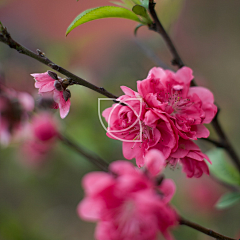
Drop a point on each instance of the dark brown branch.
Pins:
(6, 38)
(157, 27)
(214, 142)
(224, 140)
(204, 230)
(90, 156)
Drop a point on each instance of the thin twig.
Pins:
(214, 142)
(99, 162)
(204, 230)
(157, 27)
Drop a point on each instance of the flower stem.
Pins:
(204, 230)
(90, 156)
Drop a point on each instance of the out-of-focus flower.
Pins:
(164, 109)
(127, 203)
(14, 110)
(50, 83)
(41, 134)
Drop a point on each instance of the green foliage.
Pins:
(124, 3)
(141, 11)
(102, 12)
(228, 200)
(221, 167)
(130, 3)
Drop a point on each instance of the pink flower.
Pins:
(188, 107)
(139, 127)
(127, 204)
(49, 82)
(191, 157)
(165, 109)
(14, 109)
(41, 134)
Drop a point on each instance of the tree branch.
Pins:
(157, 27)
(91, 157)
(6, 38)
(204, 230)
(224, 143)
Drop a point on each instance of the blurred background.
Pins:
(40, 203)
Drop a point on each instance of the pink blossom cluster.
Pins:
(50, 84)
(165, 114)
(14, 113)
(128, 203)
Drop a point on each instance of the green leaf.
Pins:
(228, 200)
(102, 12)
(137, 27)
(221, 167)
(137, 2)
(125, 3)
(141, 11)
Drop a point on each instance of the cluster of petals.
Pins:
(165, 110)
(47, 86)
(127, 203)
(41, 133)
(14, 113)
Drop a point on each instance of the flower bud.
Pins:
(53, 75)
(58, 85)
(66, 94)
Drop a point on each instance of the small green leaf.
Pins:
(137, 2)
(137, 27)
(228, 200)
(221, 168)
(141, 11)
(102, 12)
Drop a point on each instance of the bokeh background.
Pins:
(40, 203)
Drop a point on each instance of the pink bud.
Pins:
(155, 162)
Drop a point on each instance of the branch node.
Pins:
(40, 53)
(54, 66)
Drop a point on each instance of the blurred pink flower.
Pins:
(14, 109)
(40, 138)
(191, 157)
(49, 82)
(127, 204)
